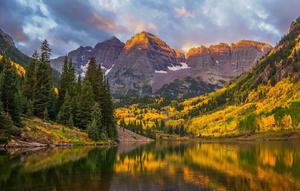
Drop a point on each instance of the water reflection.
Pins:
(156, 166)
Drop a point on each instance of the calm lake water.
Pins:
(155, 166)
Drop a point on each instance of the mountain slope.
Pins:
(222, 62)
(105, 52)
(265, 99)
(143, 56)
(7, 47)
(148, 66)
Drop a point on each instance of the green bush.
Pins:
(247, 124)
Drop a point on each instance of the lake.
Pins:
(155, 166)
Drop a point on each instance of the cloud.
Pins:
(71, 23)
(181, 11)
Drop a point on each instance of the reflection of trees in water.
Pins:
(265, 166)
(75, 169)
(166, 165)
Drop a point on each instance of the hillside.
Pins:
(8, 47)
(37, 133)
(265, 99)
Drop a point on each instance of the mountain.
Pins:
(223, 62)
(264, 99)
(143, 56)
(105, 52)
(211, 67)
(7, 47)
(147, 66)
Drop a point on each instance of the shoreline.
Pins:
(288, 135)
(24, 144)
(250, 138)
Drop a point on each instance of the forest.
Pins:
(79, 102)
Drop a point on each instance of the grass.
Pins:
(50, 133)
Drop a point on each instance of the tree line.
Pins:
(159, 127)
(81, 102)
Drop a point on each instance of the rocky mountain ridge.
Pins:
(106, 53)
(146, 65)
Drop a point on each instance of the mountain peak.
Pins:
(113, 39)
(144, 40)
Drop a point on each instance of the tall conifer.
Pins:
(43, 85)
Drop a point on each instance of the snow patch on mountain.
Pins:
(84, 68)
(108, 70)
(161, 72)
(183, 65)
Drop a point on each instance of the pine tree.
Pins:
(84, 106)
(45, 52)
(65, 110)
(108, 112)
(29, 108)
(9, 88)
(95, 128)
(5, 123)
(67, 81)
(71, 121)
(43, 86)
(102, 96)
(30, 77)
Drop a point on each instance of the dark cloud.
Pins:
(10, 20)
(70, 23)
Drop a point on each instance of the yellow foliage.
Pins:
(267, 122)
(20, 69)
(287, 122)
(223, 121)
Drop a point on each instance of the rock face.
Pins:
(217, 64)
(146, 65)
(143, 56)
(105, 52)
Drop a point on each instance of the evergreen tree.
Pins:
(102, 96)
(95, 128)
(29, 108)
(45, 52)
(9, 88)
(71, 121)
(67, 81)
(79, 84)
(43, 86)
(66, 110)
(84, 106)
(94, 77)
(30, 77)
(6, 123)
(108, 112)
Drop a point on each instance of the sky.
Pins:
(68, 24)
